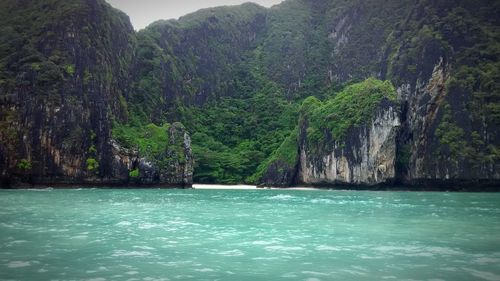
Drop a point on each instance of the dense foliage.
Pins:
(352, 107)
(149, 140)
(465, 35)
(63, 76)
(236, 76)
(286, 155)
(239, 78)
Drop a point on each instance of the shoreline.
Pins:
(200, 186)
(249, 187)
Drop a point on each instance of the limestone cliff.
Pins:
(172, 166)
(85, 99)
(442, 57)
(449, 134)
(65, 71)
(347, 140)
(365, 156)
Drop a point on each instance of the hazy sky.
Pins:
(144, 12)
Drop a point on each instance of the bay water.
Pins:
(174, 234)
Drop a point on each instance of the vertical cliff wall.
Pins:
(365, 156)
(349, 139)
(442, 57)
(83, 98)
(65, 74)
(444, 60)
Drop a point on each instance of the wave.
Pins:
(283, 197)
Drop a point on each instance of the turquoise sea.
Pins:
(168, 234)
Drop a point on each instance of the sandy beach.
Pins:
(245, 187)
(220, 186)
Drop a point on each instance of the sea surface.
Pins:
(167, 234)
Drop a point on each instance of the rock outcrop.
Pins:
(78, 87)
(350, 139)
(65, 75)
(366, 156)
(172, 167)
(443, 72)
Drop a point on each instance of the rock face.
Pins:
(449, 134)
(366, 156)
(448, 111)
(65, 75)
(173, 167)
(350, 139)
(72, 72)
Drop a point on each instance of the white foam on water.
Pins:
(15, 242)
(154, 279)
(231, 253)
(57, 230)
(263, 242)
(367, 257)
(18, 264)
(327, 201)
(178, 263)
(182, 222)
(444, 251)
(99, 269)
(206, 269)
(123, 253)
(487, 260)
(283, 248)
(417, 251)
(360, 268)
(148, 225)
(265, 258)
(329, 248)
(96, 279)
(143, 247)
(8, 225)
(354, 272)
(183, 277)
(314, 273)
(40, 189)
(283, 197)
(124, 223)
(485, 275)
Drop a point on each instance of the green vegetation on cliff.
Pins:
(233, 136)
(73, 75)
(285, 157)
(149, 140)
(324, 123)
(351, 107)
(63, 74)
